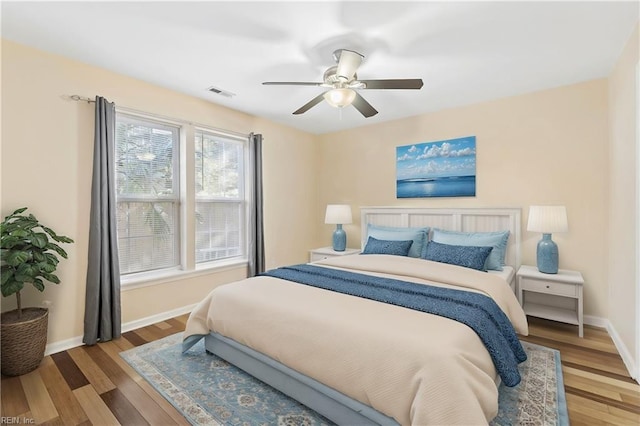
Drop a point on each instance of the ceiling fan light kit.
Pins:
(342, 82)
(340, 98)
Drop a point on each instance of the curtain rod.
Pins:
(79, 98)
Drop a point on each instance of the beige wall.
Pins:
(623, 203)
(47, 146)
(548, 147)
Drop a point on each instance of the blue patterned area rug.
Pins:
(209, 391)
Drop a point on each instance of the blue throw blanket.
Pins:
(477, 311)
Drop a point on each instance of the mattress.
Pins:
(508, 273)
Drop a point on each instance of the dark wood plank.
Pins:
(69, 370)
(120, 406)
(134, 338)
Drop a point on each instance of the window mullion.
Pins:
(188, 194)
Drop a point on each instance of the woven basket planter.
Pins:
(23, 341)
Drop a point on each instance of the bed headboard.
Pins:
(454, 219)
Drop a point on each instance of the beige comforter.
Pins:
(419, 368)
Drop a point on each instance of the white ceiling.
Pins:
(465, 52)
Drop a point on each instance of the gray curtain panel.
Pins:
(102, 312)
(256, 231)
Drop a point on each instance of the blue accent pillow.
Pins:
(397, 248)
(497, 240)
(467, 256)
(419, 236)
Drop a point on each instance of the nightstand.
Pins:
(557, 297)
(326, 252)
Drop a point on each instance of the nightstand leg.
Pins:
(580, 321)
(520, 294)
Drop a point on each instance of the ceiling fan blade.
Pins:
(313, 102)
(291, 83)
(407, 83)
(348, 64)
(363, 106)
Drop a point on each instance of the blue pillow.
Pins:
(497, 240)
(397, 248)
(467, 256)
(419, 236)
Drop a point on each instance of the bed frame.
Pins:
(328, 402)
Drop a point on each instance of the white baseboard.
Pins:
(596, 321)
(624, 352)
(63, 345)
(74, 342)
(143, 322)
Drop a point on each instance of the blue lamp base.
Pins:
(547, 255)
(339, 239)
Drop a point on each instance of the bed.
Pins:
(356, 360)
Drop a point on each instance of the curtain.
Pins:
(256, 229)
(102, 312)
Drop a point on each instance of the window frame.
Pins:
(184, 172)
(242, 199)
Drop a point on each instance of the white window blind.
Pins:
(220, 197)
(147, 192)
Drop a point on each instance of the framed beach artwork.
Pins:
(437, 169)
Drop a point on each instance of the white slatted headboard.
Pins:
(454, 219)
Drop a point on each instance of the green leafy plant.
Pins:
(29, 254)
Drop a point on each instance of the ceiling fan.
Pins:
(342, 82)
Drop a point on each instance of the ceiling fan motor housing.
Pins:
(331, 78)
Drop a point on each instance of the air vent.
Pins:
(221, 92)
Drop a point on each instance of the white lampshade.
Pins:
(547, 219)
(338, 214)
(340, 98)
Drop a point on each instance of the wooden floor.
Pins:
(94, 386)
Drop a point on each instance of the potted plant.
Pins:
(29, 254)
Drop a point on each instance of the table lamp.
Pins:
(547, 220)
(338, 214)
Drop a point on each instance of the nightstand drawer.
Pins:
(549, 287)
(315, 257)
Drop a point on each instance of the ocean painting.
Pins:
(437, 169)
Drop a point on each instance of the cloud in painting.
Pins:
(455, 157)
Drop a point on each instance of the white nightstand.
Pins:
(326, 252)
(557, 297)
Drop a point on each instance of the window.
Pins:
(157, 228)
(220, 198)
(147, 195)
